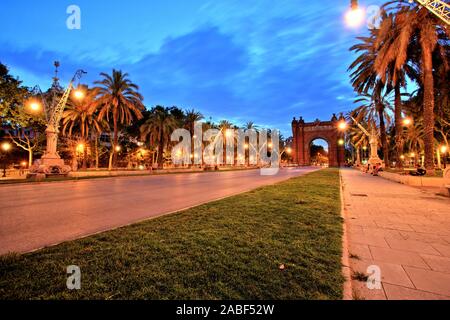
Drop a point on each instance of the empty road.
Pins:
(33, 216)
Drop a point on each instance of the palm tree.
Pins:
(394, 76)
(375, 109)
(190, 118)
(415, 136)
(251, 126)
(159, 128)
(80, 116)
(357, 138)
(365, 75)
(120, 101)
(415, 29)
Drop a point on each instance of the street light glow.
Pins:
(342, 126)
(80, 147)
(118, 148)
(6, 146)
(289, 150)
(341, 142)
(407, 122)
(35, 106)
(355, 17)
(78, 94)
(444, 149)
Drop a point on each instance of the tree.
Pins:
(12, 95)
(374, 109)
(158, 129)
(191, 117)
(250, 125)
(24, 126)
(416, 30)
(119, 101)
(81, 117)
(394, 76)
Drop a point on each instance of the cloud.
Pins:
(231, 59)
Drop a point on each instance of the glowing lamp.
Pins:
(342, 125)
(6, 146)
(355, 17)
(78, 94)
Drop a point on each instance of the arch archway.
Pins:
(305, 133)
(318, 152)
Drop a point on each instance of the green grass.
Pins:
(437, 173)
(228, 249)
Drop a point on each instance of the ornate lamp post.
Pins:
(51, 162)
(6, 147)
(373, 141)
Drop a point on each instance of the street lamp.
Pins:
(342, 126)
(6, 146)
(51, 161)
(34, 106)
(78, 94)
(355, 15)
(407, 122)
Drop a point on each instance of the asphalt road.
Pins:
(33, 216)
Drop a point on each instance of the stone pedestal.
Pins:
(50, 163)
(374, 159)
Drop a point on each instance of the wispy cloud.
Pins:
(262, 61)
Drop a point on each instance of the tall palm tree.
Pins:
(357, 138)
(415, 29)
(365, 75)
(159, 128)
(119, 101)
(375, 109)
(251, 126)
(190, 118)
(80, 116)
(415, 138)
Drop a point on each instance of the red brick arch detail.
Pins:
(305, 133)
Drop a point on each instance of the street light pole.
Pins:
(51, 162)
(5, 148)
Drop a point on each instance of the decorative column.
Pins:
(295, 140)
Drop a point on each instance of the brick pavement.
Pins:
(402, 230)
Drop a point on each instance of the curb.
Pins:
(346, 271)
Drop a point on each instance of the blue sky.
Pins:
(241, 60)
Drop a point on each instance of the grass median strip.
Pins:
(276, 242)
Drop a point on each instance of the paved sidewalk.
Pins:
(402, 230)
